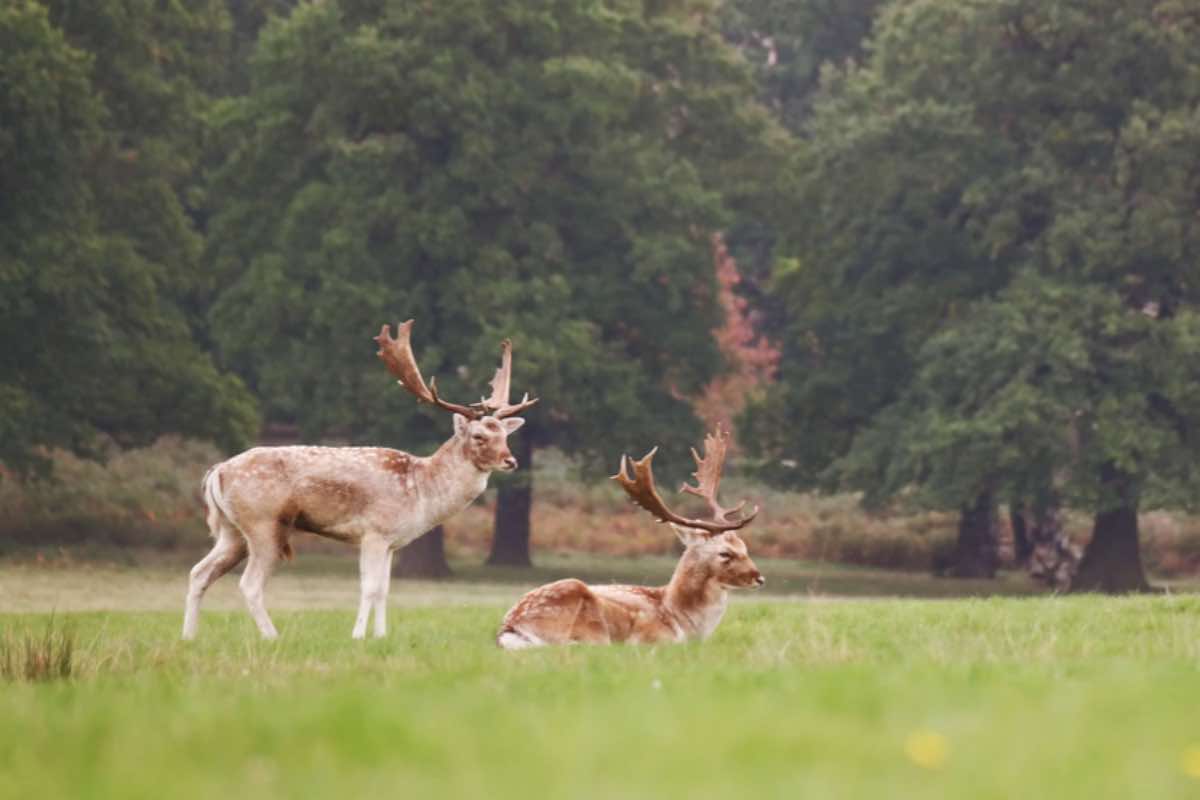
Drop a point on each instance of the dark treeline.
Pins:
(971, 229)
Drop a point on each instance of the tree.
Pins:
(1053, 558)
(424, 557)
(549, 172)
(878, 258)
(1040, 542)
(95, 250)
(1031, 264)
(1062, 380)
(752, 359)
(789, 42)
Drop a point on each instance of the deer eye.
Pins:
(726, 555)
(478, 438)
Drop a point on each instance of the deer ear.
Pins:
(688, 536)
(512, 424)
(460, 425)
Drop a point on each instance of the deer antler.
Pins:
(397, 354)
(640, 488)
(498, 403)
(708, 475)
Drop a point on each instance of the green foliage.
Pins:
(1044, 384)
(789, 42)
(995, 284)
(548, 171)
(100, 122)
(133, 499)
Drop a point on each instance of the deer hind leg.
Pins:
(580, 622)
(589, 625)
(563, 612)
(375, 571)
(513, 639)
(227, 553)
(264, 554)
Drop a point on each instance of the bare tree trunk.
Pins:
(424, 557)
(977, 552)
(1112, 561)
(1055, 558)
(1022, 546)
(514, 504)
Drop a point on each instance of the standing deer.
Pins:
(373, 497)
(689, 607)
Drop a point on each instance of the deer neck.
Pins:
(694, 598)
(451, 481)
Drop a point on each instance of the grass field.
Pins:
(801, 695)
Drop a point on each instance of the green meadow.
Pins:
(796, 695)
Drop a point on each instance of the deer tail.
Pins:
(214, 501)
(219, 514)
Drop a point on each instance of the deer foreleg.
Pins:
(383, 581)
(375, 568)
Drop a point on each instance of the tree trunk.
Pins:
(424, 557)
(1112, 561)
(1022, 547)
(514, 502)
(1055, 558)
(977, 551)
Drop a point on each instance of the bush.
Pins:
(1170, 543)
(147, 497)
(150, 498)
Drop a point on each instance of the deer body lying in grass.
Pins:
(372, 497)
(690, 606)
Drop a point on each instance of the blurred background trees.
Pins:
(550, 172)
(101, 108)
(951, 245)
(993, 300)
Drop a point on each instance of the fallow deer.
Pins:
(689, 607)
(372, 497)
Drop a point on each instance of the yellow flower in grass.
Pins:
(1189, 762)
(927, 749)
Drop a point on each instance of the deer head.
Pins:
(710, 545)
(482, 427)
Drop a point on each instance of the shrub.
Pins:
(133, 498)
(149, 498)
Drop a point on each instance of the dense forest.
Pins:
(945, 253)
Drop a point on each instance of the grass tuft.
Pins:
(37, 656)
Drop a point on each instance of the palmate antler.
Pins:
(498, 403)
(708, 475)
(641, 489)
(397, 354)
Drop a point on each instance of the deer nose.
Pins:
(510, 463)
(759, 580)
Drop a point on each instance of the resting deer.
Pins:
(689, 607)
(372, 497)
